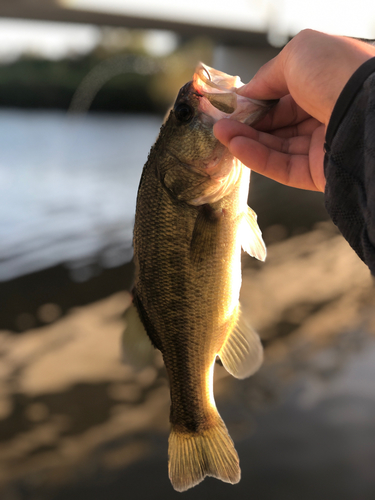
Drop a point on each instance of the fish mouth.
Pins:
(217, 87)
(219, 98)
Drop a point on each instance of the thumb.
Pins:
(269, 82)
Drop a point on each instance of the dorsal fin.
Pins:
(137, 349)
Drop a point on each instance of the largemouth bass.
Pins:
(191, 220)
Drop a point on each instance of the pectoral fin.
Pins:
(137, 349)
(242, 352)
(206, 234)
(252, 241)
(182, 183)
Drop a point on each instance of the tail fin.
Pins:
(192, 457)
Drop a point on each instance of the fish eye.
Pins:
(184, 112)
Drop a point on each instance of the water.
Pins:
(68, 187)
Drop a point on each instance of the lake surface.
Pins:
(68, 186)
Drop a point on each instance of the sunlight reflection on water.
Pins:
(68, 187)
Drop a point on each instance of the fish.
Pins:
(191, 221)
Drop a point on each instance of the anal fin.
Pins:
(137, 349)
(252, 241)
(242, 352)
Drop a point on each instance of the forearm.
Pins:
(350, 163)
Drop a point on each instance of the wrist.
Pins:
(347, 96)
(354, 54)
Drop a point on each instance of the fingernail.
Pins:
(240, 90)
(244, 89)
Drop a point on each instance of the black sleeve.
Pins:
(349, 163)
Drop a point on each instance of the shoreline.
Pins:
(22, 298)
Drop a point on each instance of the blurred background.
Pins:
(84, 86)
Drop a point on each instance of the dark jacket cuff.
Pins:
(347, 96)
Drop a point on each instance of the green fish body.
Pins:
(191, 221)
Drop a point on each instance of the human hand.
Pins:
(308, 76)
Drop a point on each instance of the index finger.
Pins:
(284, 114)
(290, 169)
